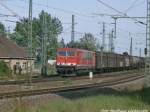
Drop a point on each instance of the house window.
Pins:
(17, 64)
(24, 65)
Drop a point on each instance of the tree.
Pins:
(19, 39)
(54, 28)
(61, 44)
(87, 42)
(76, 44)
(2, 29)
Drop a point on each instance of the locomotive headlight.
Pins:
(58, 63)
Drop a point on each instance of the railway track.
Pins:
(34, 80)
(70, 88)
(59, 78)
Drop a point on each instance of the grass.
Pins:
(91, 102)
(11, 76)
(51, 70)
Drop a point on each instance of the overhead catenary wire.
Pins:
(140, 3)
(83, 33)
(110, 7)
(119, 12)
(132, 5)
(66, 11)
(137, 5)
(61, 10)
(6, 15)
(14, 14)
(10, 10)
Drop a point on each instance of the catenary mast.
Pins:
(147, 67)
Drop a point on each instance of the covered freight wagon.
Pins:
(111, 61)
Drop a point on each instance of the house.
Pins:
(14, 55)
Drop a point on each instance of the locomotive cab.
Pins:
(66, 60)
(73, 60)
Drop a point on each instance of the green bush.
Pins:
(4, 69)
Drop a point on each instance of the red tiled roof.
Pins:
(9, 49)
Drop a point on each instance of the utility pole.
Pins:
(131, 50)
(109, 43)
(131, 47)
(147, 66)
(72, 31)
(103, 44)
(44, 47)
(103, 39)
(140, 52)
(30, 56)
(115, 23)
(112, 42)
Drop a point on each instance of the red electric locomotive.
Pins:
(73, 60)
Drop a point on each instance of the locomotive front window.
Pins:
(66, 53)
(70, 53)
(61, 53)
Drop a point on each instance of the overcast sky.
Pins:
(86, 20)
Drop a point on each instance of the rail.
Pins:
(70, 88)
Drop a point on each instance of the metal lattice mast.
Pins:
(72, 32)
(103, 39)
(131, 47)
(103, 44)
(147, 67)
(140, 52)
(110, 41)
(112, 48)
(44, 46)
(30, 55)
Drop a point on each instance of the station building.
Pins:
(14, 55)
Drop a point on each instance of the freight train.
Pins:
(74, 60)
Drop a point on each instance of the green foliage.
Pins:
(4, 69)
(54, 28)
(95, 102)
(2, 29)
(19, 39)
(51, 70)
(87, 42)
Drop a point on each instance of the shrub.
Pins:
(4, 69)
